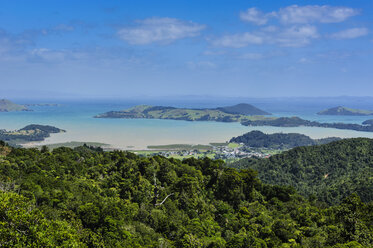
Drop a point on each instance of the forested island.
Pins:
(85, 197)
(330, 172)
(28, 134)
(9, 106)
(259, 139)
(296, 122)
(345, 111)
(236, 113)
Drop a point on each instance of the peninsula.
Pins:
(345, 111)
(297, 122)
(28, 134)
(8, 106)
(259, 139)
(236, 113)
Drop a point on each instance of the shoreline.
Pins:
(211, 131)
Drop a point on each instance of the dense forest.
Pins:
(259, 139)
(330, 172)
(85, 197)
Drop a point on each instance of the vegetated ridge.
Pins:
(85, 197)
(330, 172)
(345, 111)
(259, 139)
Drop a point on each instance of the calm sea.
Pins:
(76, 117)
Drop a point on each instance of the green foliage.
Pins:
(329, 172)
(85, 197)
(278, 140)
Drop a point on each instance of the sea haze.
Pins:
(76, 117)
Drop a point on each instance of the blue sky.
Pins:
(196, 47)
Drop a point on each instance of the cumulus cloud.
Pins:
(296, 14)
(351, 33)
(159, 30)
(255, 16)
(315, 13)
(239, 40)
(294, 36)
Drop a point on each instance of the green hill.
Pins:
(86, 198)
(345, 111)
(29, 133)
(8, 106)
(243, 109)
(278, 140)
(330, 172)
(237, 113)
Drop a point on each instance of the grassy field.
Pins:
(234, 145)
(178, 147)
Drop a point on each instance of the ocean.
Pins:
(76, 117)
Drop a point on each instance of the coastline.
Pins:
(189, 133)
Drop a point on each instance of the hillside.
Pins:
(236, 113)
(330, 172)
(8, 106)
(89, 198)
(345, 111)
(278, 140)
(243, 109)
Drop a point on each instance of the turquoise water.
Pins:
(77, 119)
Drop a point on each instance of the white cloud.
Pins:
(238, 40)
(297, 36)
(351, 33)
(294, 36)
(315, 13)
(296, 14)
(159, 30)
(255, 16)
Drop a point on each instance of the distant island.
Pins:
(42, 105)
(236, 113)
(368, 122)
(246, 114)
(28, 134)
(258, 139)
(345, 111)
(8, 106)
(296, 122)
